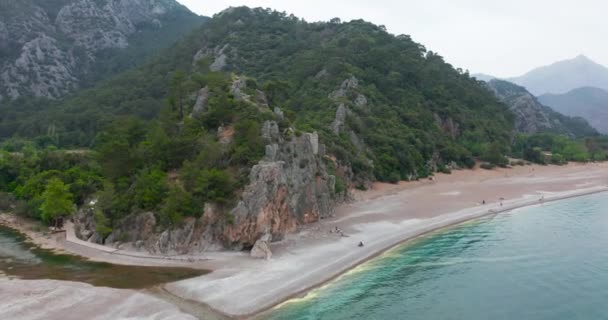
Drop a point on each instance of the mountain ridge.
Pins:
(589, 103)
(49, 49)
(563, 76)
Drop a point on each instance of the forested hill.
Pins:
(253, 124)
(50, 48)
(533, 117)
(379, 101)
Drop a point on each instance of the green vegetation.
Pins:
(145, 152)
(56, 201)
(171, 165)
(555, 149)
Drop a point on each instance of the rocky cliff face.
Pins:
(533, 117)
(292, 185)
(48, 47)
(529, 114)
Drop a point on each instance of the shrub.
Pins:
(488, 166)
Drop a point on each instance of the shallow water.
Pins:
(543, 262)
(19, 259)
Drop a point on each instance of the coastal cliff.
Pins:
(257, 124)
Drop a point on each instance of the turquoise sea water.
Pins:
(543, 262)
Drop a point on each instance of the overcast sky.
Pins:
(502, 38)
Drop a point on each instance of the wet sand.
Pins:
(381, 218)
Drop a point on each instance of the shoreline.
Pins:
(383, 218)
(406, 241)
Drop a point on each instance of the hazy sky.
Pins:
(502, 38)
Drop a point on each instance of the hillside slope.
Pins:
(51, 48)
(533, 117)
(251, 126)
(588, 103)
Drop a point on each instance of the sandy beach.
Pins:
(381, 218)
(47, 299)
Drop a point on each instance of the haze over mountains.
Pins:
(563, 76)
(588, 102)
(576, 87)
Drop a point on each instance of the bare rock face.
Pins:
(289, 187)
(85, 226)
(219, 56)
(449, 126)
(50, 69)
(190, 236)
(348, 85)
(134, 227)
(346, 95)
(45, 52)
(530, 116)
(340, 119)
(201, 104)
(238, 89)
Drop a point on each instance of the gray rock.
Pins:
(201, 104)
(360, 101)
(219, 63)
(272, 150)
(313, 140)
(237, 89)
(530, 116)
(340, 119)
(321, 74)
(45, 63)
(270, 131)
(261, 249)
(221, 59)
(289, 187)
(261, 99)
(347, 85)
(279, 113)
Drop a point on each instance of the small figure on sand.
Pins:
(360, 244)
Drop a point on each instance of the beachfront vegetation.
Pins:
(134, 146)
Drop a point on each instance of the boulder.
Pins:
(261, 248)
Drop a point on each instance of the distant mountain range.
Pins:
(532, 117)
(559, 77)
(577, 88)
(588, 102)
(564, 76)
